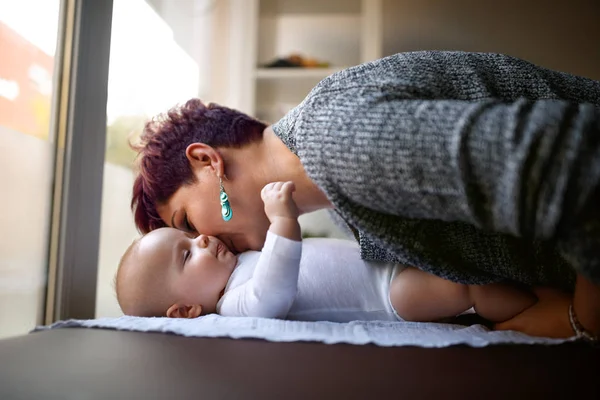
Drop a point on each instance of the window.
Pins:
(27, 80)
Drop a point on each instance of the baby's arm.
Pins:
(281, 210)
(272, 289)
(419, 296)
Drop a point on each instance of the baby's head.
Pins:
(169, 273)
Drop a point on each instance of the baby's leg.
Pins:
(420, 296)
(500, 302)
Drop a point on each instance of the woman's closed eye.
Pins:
(186, 256)
(186, 224)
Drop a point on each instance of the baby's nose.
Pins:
(202, 240)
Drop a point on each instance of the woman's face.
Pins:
(196, 208)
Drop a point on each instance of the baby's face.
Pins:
(194, 269)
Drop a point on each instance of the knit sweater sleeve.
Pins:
(523, 167)
(496, 143)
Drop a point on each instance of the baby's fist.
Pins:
(278, 200)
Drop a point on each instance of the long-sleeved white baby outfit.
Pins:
(313, 280)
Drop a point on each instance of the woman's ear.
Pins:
(181, 311)
(202, 156)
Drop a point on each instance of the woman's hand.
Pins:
(549, 317)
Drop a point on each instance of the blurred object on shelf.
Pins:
(297, 61)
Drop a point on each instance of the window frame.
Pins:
(80, 130)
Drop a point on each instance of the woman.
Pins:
(474, 167)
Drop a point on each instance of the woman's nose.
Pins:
(202, 241)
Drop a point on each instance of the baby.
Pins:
(171, 273)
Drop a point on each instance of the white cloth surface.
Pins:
(380, 333)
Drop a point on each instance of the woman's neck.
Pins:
(270, 161)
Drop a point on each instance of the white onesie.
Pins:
(313, 280)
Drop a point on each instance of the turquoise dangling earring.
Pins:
(225, 206)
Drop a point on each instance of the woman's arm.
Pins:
(485, 139)
(526, 168)
(550, 315)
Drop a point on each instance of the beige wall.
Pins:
(559, 35)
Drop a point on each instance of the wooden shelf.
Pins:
(344, 33)
(295, 73)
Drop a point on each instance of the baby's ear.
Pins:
(181, 311)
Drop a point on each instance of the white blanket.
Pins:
(358, 332)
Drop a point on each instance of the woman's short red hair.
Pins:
(162, 162)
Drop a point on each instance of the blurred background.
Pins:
(259, 56)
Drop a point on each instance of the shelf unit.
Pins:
(342, 33)
(294, 73)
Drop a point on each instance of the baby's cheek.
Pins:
(187, 288)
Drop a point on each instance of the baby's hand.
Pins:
(278, 200)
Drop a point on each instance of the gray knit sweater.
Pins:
(475, 167)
